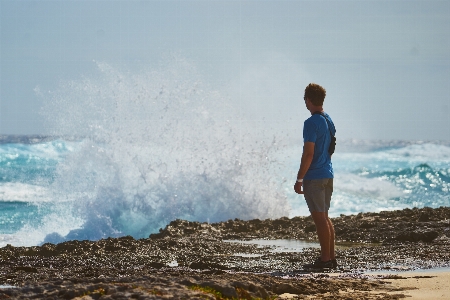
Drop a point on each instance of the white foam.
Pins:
(348, 204)
(16, 191)
(51, 150)
(60, 222)
(359, 186)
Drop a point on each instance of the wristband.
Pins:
(299, 180)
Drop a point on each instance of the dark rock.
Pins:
(156, 265)
(367, 225)
(310, 228)
(27, 269)
(412, 236)
(200, 265)
(224, 288)
(286, 288)
(424, 217)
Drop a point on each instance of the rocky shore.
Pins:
(192, 260)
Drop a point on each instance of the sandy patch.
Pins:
(423, 284)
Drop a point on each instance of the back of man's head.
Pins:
(315, 93)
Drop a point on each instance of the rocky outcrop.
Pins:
(406, 239)
(412, 225)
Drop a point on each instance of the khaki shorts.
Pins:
(317, 193)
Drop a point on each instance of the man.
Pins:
(315, 175)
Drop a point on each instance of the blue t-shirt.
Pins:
(315, 129)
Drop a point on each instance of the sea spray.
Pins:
(155, 146)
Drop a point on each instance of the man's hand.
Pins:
(298, 187)
(307, 157)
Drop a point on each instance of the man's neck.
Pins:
(313, 109)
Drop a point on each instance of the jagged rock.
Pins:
(27, 269)
(203, 250)
(412, 236)
(368, 227)
(221, 286)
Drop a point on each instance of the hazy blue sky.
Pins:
(385, 64)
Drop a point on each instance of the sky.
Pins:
(385, 64)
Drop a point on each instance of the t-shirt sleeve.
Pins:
(309, 132)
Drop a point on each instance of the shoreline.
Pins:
(437, 270)
(422, 284)
(415, 285)
(396, 251)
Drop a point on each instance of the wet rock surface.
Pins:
(185, 258)
(386, 227)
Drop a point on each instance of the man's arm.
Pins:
(307, 157)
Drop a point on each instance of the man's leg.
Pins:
(325, 232)
(332, 238)
(328, 194)
(318, 197)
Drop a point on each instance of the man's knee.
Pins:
(320, 217)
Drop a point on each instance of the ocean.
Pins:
(53, 190)
(128, 153)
